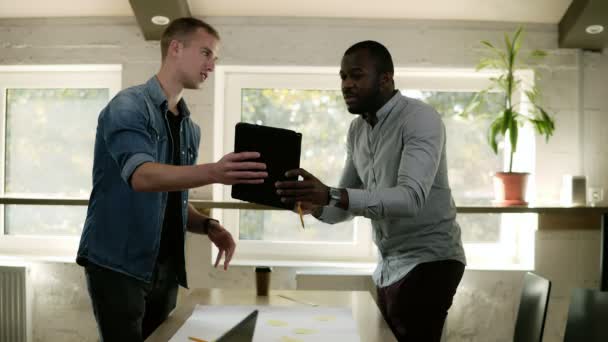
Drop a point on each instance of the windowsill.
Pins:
(302, 264)
(356, 268)
(14, 259)
(59, 249)
(322, 268)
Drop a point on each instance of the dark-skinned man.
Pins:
(396, 175)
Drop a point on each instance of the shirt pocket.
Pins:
(191, 154)
(160, 141)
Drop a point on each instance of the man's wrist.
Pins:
(208, 223)
(334, 197)
(317, 211)
(338, 197)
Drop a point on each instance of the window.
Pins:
(49, 115)
(308, 100)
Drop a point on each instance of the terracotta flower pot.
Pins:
(510, 188)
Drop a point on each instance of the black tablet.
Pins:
(279, 149)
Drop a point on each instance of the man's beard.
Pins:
(370, 102)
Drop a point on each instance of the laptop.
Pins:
(242, 331)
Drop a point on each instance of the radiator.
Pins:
(15, 304)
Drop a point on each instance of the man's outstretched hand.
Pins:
(309, 191)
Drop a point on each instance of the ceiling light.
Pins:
(594, 29)
(160, 20)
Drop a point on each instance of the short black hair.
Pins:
(181, 29)
(379, 53)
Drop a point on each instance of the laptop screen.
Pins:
(243, 331)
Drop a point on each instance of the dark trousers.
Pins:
(416, 306)
(127, 309)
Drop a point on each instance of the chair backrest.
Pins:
(587, 316)
(532, 311)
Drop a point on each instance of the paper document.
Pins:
(274, 324)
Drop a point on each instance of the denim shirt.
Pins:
(123, 227)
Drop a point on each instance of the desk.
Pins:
(370, 324)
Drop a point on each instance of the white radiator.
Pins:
(15, 304)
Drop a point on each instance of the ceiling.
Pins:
(572, 16)
(536, 11)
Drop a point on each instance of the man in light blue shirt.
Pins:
(396, 175)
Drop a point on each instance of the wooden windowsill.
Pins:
(550, 216)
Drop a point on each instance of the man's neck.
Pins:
(171, 88)
(372, 117)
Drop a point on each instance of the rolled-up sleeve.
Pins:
(126, 135)
(423, 143)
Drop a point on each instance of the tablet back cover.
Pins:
(279, 149)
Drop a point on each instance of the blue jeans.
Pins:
(128, 309)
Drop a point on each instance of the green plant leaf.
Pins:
(516, 44)
(507, 117)
(548, 122)
(538, 54)
(542, 127)
(507, 61)
(500, 82)
(493, 133)
(488, 62)
(513, 133)
(508, 42)
(517, 39)
(531, 95)
(471, 106)
(488, 44)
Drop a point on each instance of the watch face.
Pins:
(335, 194)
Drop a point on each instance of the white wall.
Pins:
(484, 308)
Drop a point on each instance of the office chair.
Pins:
(587, 316)
(532, 311)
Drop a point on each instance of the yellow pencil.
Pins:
(196, 339)
(299, 208)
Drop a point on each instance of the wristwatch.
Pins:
(207, 224)
(335, 196)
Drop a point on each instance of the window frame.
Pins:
(35, 77)
(228, 78)
(251, 252)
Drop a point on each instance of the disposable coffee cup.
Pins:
(262, 280)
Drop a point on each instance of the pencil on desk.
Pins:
(196, 339)
(299, 208)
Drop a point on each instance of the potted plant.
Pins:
(509, 186)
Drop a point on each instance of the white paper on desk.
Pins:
(274, 323)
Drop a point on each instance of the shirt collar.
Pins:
(160, 100)
(383, 112)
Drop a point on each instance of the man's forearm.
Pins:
(150, 177)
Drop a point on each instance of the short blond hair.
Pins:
(181, 29)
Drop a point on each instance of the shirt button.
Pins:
(183, 152)
(185, 202)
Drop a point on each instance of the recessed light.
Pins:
(594, 29)
(160, 20)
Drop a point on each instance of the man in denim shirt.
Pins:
(396, 175)
(132, 244)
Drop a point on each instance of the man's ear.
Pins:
(386, 79)
(174, 47)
